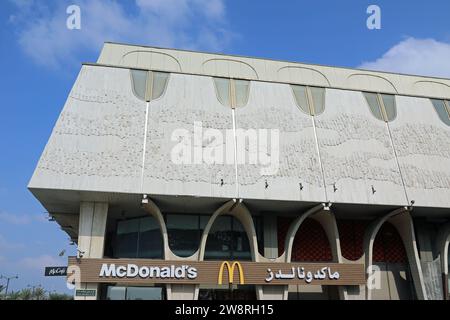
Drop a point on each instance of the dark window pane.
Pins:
(220, 238)
(241, 245)
(127, 237)
(184, 234)
(150, 239)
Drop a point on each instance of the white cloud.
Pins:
(20, 219)
(43, 35)
(40, 262)
(415, 56)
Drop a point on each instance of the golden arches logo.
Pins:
(230, 269)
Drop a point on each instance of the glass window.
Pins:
(116, 293)
(372, 101)
(139, 238)
(184, 234)
(150, 239)
(301, 98)
(318, 98)
(241, 91)
(389, 106)
(134, 293)
(311, 100)
(223, 91)
(232, 93)
(127, 237)
(241, 245)
(144, 293)
(149, 85)
(139, 80)
(227, 239)
(443, 110)
(159, 84)
(382, 106)
(218, 244)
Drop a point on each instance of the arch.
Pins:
(229, 68)
(176, 291)
(151, 208)
(303, 75)
(238, 210)
(323, 215)
(370, 82)
(402, 221)
(443, 242)
(351, 235)
(432, 88)
(142, 59)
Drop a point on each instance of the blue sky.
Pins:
(40, 59)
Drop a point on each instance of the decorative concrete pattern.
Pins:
(421, 141)
(97, 141)
(272, 106)
(356, 151)
(191, 99)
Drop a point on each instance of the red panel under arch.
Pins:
(310, 242)
(388, 245)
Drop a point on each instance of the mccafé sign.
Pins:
(149, 271)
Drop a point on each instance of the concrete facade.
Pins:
(109, 148)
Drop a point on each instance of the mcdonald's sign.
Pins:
(230, 269)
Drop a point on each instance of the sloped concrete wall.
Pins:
(271, 106)
(96, 143)
(422, 143)
(357, 152)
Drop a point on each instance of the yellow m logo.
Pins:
(230, 269)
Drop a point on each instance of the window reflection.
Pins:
(310, 100)
(184, 233)
(148, 85)
(138, 238)
(227, 239)
(232, 92)
(382, 106)
(134, 293)
(442, 108)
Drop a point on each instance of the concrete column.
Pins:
(174, 291)
(401, 219)
(443, 242)
(91, 236)
(270, 236)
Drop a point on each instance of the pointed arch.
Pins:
(402, 221)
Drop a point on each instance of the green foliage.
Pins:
(37, 293)
(59, 296)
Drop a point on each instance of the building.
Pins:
(189, 175)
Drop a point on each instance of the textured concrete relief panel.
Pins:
(188, 99)
(422, 142)
(96, 143)
(356, 152)
(271, 106)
